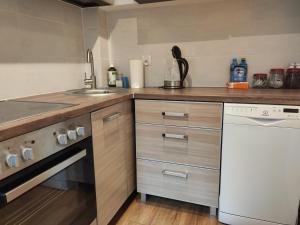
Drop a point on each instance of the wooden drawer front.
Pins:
(193, 114)
(199, 147)
(190, 184)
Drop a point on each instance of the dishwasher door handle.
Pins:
(265, 121)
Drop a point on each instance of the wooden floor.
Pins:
(160, 211)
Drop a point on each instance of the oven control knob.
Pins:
(72, 135)
(27, 153)
(11, 160)
(62, 139)
(80, 131)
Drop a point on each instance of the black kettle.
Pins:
(183, 70)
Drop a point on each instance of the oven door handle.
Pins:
(28, 185)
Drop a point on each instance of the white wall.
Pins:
(41, 47)
(266, 32)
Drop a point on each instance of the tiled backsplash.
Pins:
(96, 38)
(266, 32)
(41, 47)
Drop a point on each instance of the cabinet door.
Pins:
(111, 153)
(127, 127)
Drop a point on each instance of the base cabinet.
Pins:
(180, 182)
(178, 147)
(114, 158)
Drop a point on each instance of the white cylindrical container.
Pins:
(137, 73)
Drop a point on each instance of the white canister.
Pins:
(137, 73)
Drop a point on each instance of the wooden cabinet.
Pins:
(181, 182)
(114, 158)
(189, 114)
(178, 150)
(190, 146)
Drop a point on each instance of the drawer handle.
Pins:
(111, 117)
(175, 115)
(175, 174)
(176, 136)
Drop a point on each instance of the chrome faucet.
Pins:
(92, 80)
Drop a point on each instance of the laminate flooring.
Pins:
(161, 211)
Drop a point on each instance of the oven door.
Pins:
(58, 190)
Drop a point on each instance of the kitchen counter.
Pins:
(259, 96)
(83, 104)
(86, 104)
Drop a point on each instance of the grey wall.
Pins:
(96, 37)
(41, 47)
(266, 32)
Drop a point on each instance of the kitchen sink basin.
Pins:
(96, 92)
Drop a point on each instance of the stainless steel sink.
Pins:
(96, 92)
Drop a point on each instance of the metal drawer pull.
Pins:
(112, 117)
(175, 174)
(175, 114)
(176, 136)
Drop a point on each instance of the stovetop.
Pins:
(15, 110)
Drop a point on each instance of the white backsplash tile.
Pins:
(18, 80)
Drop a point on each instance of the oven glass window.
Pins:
(66, 198)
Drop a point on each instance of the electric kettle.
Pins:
(177, 71)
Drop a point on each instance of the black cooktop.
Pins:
(15, 110)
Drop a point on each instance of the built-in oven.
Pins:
(54, 188)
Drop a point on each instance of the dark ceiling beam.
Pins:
(151, 1)
(87, 3)
(95, 3)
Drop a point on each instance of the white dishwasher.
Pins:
(260, 172)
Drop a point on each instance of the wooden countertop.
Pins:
(85, 104)
(258, 96)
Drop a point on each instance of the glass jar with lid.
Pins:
(293, 78)
(260, 80)
(276, 79)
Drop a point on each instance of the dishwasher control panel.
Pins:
(263, 111)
